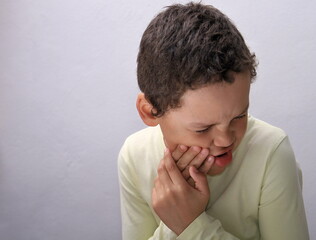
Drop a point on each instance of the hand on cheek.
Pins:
(192, 156)
(173, 199)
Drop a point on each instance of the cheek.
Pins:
(240, 129)
(189, 140)
(173, 138)
(169, 144)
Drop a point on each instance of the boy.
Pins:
(205, 169)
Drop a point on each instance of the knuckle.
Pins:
(168, 191)
(181, 191)
(160, 168)
(181, 166)
(170, 167)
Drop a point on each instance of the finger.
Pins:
(191, 182)
(163, 177)
(196, 162)
(207, 165)
(154, 196)
(172, 169)
(200, 181)
(179, 151)
(187, 157)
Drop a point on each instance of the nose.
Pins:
(224, 137)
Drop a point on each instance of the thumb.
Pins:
(200, 180)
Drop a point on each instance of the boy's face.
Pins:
(213, 117)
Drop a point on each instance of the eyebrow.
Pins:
(205, 125)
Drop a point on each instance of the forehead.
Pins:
(215, 101)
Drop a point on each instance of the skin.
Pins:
(222, 111)
(211, 120)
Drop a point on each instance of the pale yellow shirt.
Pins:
(258, 196)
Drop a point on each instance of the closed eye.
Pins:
(203, 130)
(240, 117)
(208, 128)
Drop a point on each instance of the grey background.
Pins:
(67, 102)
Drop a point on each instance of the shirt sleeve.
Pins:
(205, 227)
(138, 221)
(281, 209)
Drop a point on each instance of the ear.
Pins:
(144, 110)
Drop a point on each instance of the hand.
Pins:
(173, 199)
(192, 156)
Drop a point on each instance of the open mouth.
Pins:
(224, 159)
(222, 155)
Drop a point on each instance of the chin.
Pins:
(216, 170)
(169, 145)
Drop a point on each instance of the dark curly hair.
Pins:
(185, 47)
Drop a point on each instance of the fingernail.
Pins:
(182, 147)
(196, 149)
(210, 159)
(204, 151)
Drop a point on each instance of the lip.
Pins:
(226, 159)
(226, 151)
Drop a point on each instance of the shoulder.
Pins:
(143, 140)
(266, 161)
(278, 181)
(270, 147)
(262, 135)
(261, 130)
(262, 144)
(143, 147)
